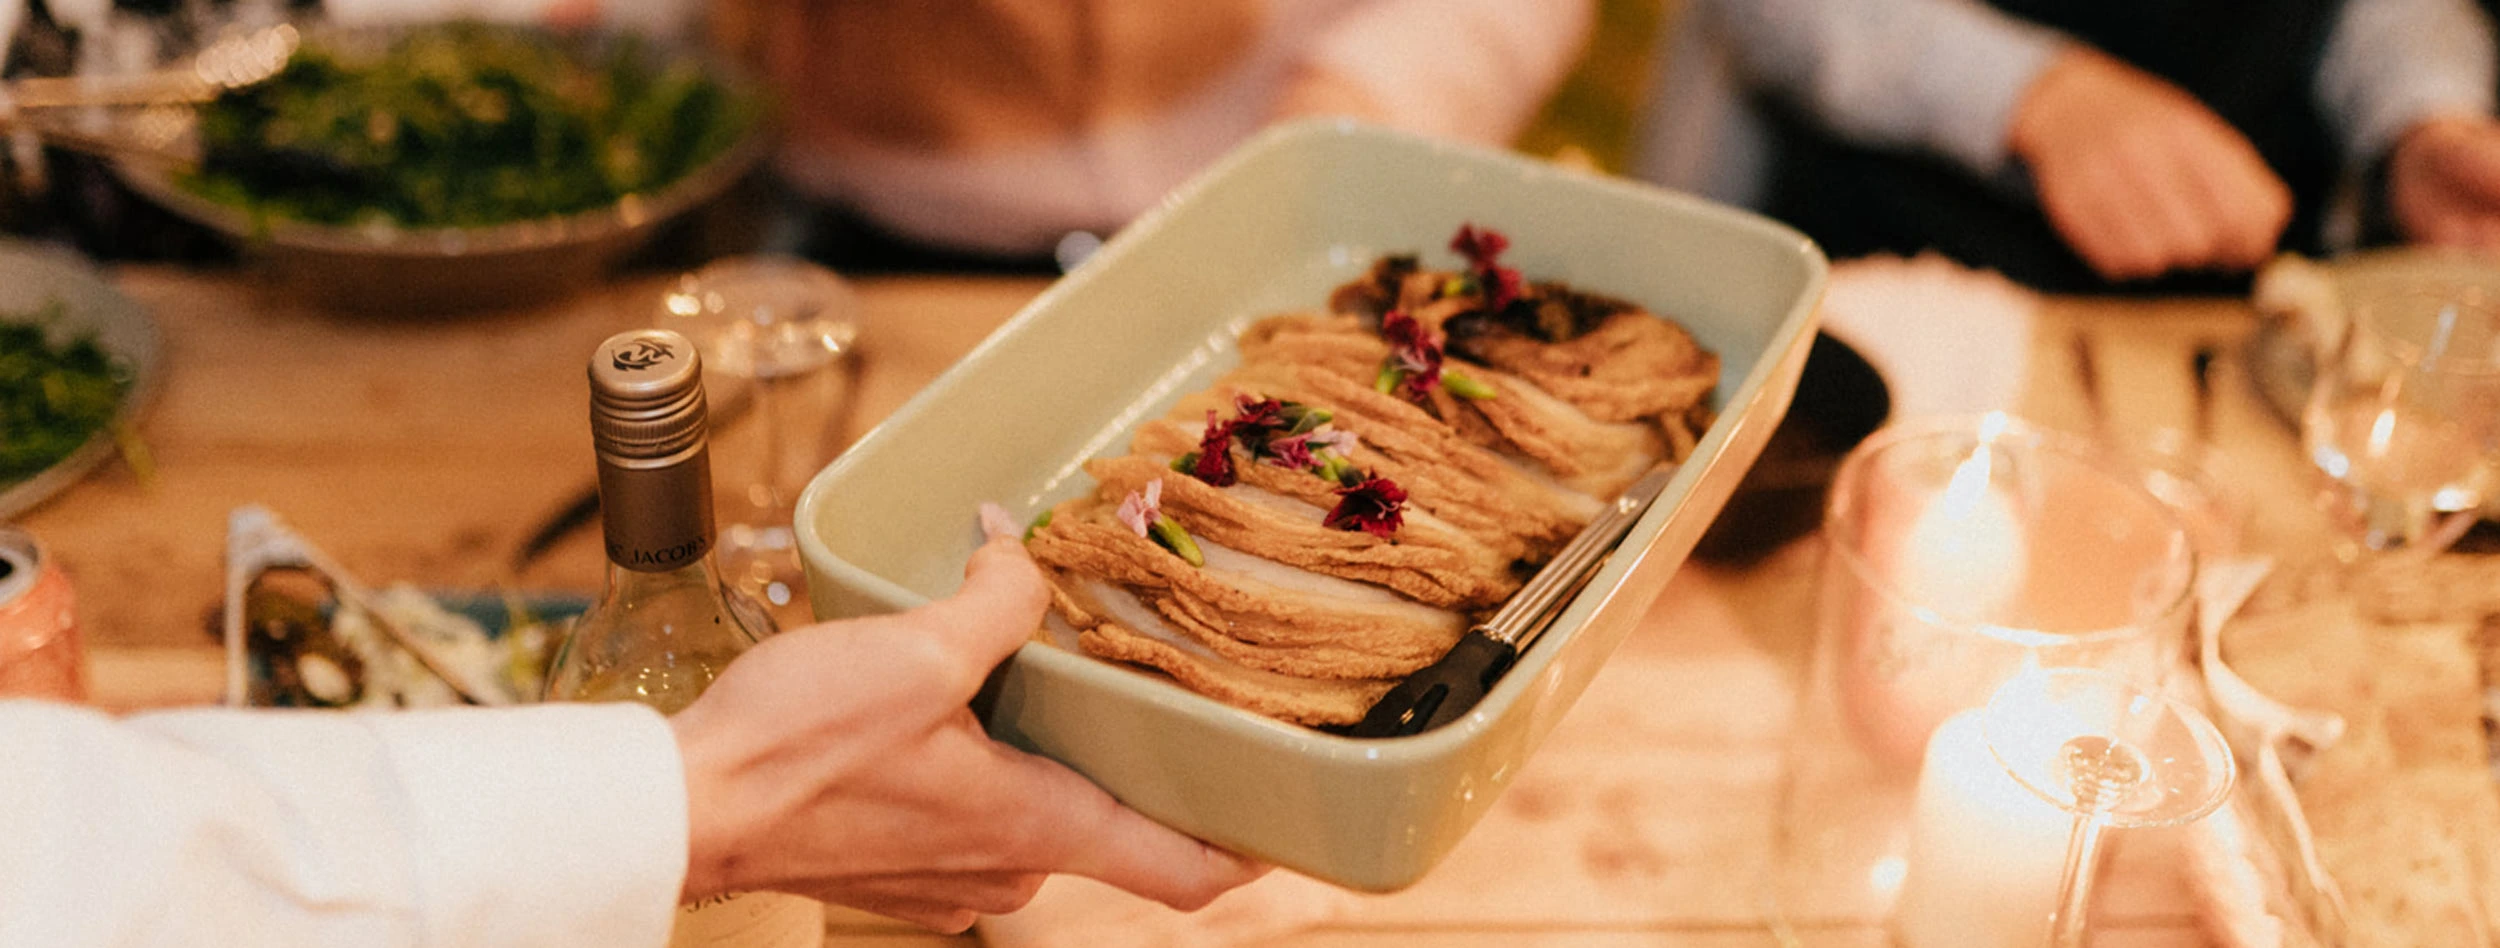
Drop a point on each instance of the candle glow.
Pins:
(1985, 852)
(1966, 553)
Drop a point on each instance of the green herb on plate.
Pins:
(52, 397)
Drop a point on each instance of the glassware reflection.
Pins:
(2403, 422)
(778, 336)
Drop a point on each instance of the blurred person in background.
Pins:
(2090, 144)
(1013, 134)
(999, 129)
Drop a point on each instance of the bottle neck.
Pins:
(657, 516)
(628, 584)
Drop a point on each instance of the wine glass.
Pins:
(2403, 422)
(2109, 755)
(1958, 552)
(776, 335)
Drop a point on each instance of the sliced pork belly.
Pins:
(1631, 367)
(1590, 456)
(1431, 459)
(1428, 560)
(1283, 697)
(1251, 599)
(1291, 618)
(1464, 504)
(1124, 629)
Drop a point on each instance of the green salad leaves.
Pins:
(464, 125)
(52, 397)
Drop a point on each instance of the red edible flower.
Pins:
(1480, 247)
(1215, 454)
(1417, 354)
(1501, 286)
(1262, 413)
(1483, 250)
(1375, 505)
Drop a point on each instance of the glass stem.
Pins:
(2074, 887)
(768, 408)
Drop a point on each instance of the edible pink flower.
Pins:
(1140, 511)
(1292, 452)
(1335, 439)
(1375, 505)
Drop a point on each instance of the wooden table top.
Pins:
(426, 450)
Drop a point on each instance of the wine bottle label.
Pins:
(657, 519)
(750, 920)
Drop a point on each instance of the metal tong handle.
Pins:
(1521, 615)
(231, 62)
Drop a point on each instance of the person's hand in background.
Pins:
(2443, 182)
(840, 762)
(2138, 177)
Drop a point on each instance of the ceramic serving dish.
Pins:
(1272, 228)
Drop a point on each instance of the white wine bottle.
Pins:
(666, 625)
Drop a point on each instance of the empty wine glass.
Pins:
(776, 335)
(2109, 755)
(2404, 419)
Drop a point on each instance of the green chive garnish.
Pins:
(1465, 387)
(1176, 539)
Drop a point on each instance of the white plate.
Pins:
(32, 276)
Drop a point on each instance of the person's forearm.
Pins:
(2392, 64)
(1943, 76)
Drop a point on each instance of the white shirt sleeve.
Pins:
(1943, 76)
(547, 826)
(2392, 63)
(1470, 70)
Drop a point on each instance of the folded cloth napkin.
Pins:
(1075, 912)
(1948, 339)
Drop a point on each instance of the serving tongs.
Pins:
(232, 62)
(257, 543)
(148, 115)
(1445, 690)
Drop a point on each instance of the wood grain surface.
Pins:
(425, 451)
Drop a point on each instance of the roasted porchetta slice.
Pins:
(1330, 516)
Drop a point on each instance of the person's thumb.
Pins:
(999, 606)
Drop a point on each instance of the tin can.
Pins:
(39, 650)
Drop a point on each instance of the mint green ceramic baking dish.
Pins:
(1272, 228)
